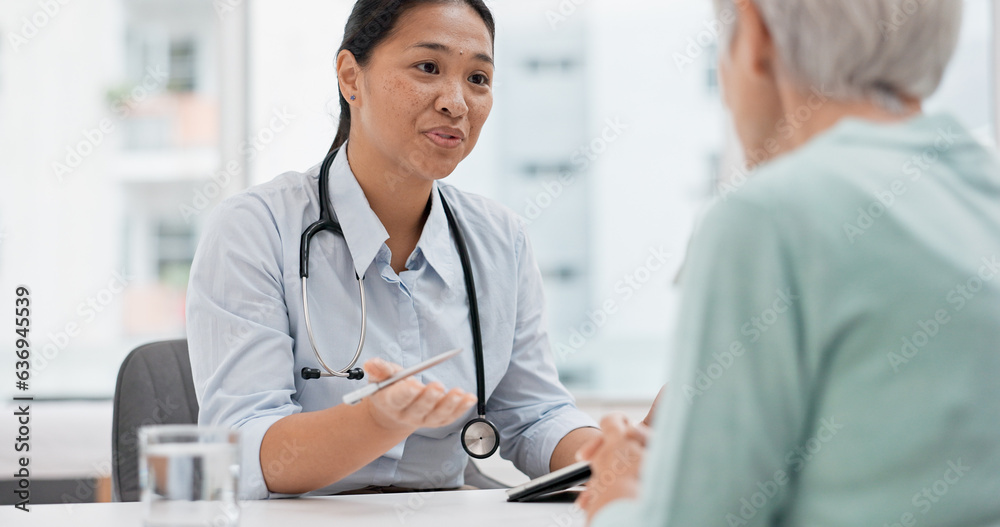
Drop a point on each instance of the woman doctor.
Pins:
(416, 87)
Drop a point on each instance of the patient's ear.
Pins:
(750, 74)
(752, 47)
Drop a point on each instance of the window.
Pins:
(144, 132)
(712, 69)
(182, 66)
(713, 163)
(175, 246)
(607, 134)
(109, 246)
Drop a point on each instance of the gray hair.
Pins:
(878, 50)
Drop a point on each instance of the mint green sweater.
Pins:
(839, 343)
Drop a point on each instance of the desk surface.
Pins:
(482, 507)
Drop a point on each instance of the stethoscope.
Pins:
(480, 437)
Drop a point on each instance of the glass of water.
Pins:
(188, 476)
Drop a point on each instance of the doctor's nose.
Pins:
(451, 100)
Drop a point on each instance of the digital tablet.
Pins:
(561, 479)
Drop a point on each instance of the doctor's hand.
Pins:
(409, 404)
(615, 458)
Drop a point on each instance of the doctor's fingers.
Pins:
(422, 405)
(400, 395)
(380, 370)
(452, 406)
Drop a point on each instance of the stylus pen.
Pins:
(356, 396)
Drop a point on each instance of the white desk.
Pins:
(69, 439)
(437, 509)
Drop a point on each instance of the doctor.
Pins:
(416, 88)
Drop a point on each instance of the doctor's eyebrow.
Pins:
(441, 47)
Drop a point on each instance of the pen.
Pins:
(356, 396)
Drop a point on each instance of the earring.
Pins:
(353, 97)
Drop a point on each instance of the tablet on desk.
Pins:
(561, 479)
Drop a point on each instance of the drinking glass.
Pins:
(188, 476)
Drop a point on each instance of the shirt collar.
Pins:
(939, 130)
(363, 231)
(436, 242)
(365, 235)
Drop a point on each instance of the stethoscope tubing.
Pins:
(480, 437)
(329, 372)
(470, 286)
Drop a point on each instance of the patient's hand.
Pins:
(648, 421)
(615, 459)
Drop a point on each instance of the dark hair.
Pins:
(371, 22)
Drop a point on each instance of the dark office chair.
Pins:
(155, 387)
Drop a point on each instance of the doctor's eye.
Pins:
(480, 79)
(428, 67)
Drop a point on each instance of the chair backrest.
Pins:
(154, 387)
(475, 477)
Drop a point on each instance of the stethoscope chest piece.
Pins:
(480, 438)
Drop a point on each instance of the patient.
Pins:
(839, 343)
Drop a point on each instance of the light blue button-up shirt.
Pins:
(248, 341)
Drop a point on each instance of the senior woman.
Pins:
(839, 348)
